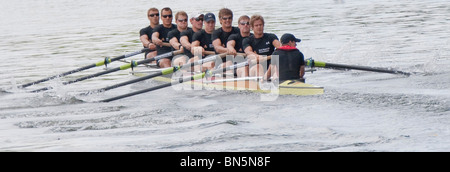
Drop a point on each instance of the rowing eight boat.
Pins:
(288, 87)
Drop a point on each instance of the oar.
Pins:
(313, 63)
(214, 53)
(124, 67)
(181, 80)
(100, 63)
(165, 71)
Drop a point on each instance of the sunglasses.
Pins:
(198, 19)
(227, 18)
(244, 23)
(182, 20)
(153, 15)
(167, 16)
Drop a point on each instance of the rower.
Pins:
(259, 45)
(201, 40)
(181, 19)
(160, 35)
(234, 44)
(220, 35)
(291, 62)
(186, 36)
(146, 33)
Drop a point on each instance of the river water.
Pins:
(360, 111)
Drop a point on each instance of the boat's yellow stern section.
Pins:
(295, 87)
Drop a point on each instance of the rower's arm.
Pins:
(302, 71)
(276, 43)
(184, 40)
(145, 40)
(174, 43)
(147, 43)
(155, 39)
(196, 45)
(251, 55)
(219, 47)
(230, 47)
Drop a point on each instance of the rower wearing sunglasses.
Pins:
(181, 19)
(160, 34)
(146, 33)
(220, 35)
(196, 21)
(234, 44)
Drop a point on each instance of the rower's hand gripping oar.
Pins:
(165, 71)
(312, 63)
(181, 80)
(101, 63)
(124, 67)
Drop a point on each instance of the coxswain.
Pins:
(291, 62)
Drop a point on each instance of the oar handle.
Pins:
(158, 57)
(214, 53)
(260, 60)
(166, 44)
(210, 73)
(209, 53)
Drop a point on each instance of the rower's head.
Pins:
(166, 16)
(153, 16)
(226, 17)
(289, 39)
(244, 24)
(257, 24)
(197, 21)
(210, 22)
(181, 19)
